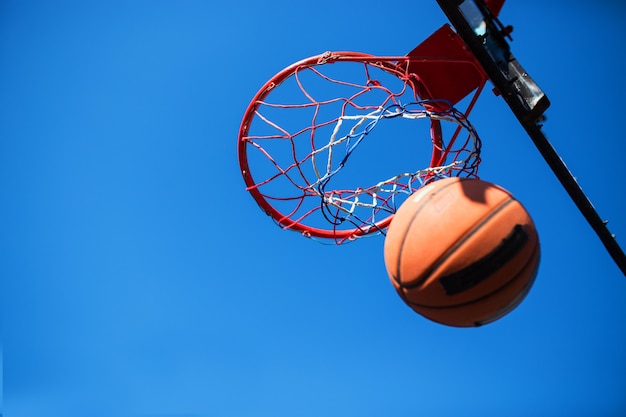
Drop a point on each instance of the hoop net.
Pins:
(331, 146)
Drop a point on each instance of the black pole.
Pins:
(576, 193)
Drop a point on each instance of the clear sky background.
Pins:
(140, 279)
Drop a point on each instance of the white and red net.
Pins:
(331, 146)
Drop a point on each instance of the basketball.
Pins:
(462, 252)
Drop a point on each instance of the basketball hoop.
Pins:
(332, 145)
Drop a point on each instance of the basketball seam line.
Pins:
(406, 233)
(457, 282)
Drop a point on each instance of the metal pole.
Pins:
(576, 193)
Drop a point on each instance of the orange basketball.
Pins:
(462, 252)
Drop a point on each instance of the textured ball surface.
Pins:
(462, 252)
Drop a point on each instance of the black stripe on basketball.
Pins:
(531, 259)
(474, 274)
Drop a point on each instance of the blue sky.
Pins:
(140, 279)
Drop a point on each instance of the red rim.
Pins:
(390, 64)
